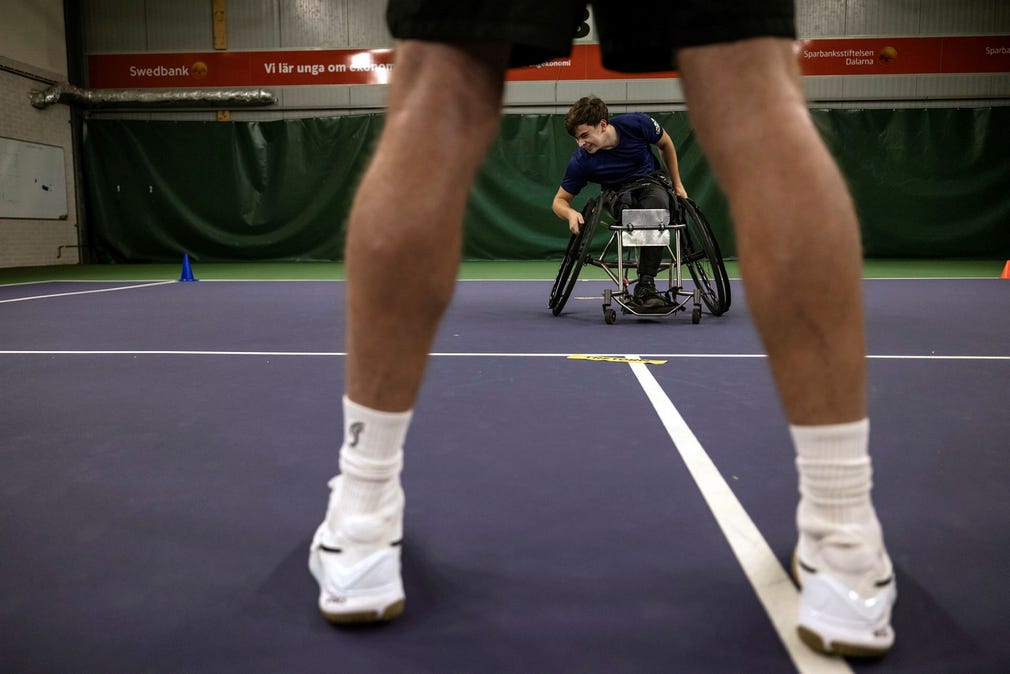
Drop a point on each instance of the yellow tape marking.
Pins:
(616, 359)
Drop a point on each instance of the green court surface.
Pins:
(482, 270)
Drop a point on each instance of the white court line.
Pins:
(176, 352)
(774, 589)
(84, 292)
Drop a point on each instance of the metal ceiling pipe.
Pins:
(64, 92)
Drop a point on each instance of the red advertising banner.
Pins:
(906, 55)
(240, 68)
(834, 57)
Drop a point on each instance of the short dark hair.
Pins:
(587, 110)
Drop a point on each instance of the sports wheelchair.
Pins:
(694, 246)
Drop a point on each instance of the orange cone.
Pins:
(1006, 270)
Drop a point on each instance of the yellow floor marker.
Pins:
(616, 359)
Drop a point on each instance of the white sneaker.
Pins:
(848, 613)
(356, 562)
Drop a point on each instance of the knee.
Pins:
(413, 253)
(658, 199)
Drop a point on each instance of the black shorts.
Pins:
(634, 35)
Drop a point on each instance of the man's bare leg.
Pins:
(800, 257)
(405, 229)
(796, 229)
(403, 251)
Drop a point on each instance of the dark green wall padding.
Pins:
(928, 183)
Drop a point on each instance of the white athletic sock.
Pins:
(371, 458)
(836, 477)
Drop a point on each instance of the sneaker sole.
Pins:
(360, 617)
(814, 641)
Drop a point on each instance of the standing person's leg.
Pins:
(798, 238)
(405, 229)
(403, 251)
(795, 224)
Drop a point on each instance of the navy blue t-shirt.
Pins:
(632, 158)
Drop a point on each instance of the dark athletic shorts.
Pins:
(634, 35)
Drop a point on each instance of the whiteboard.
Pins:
(33, 180)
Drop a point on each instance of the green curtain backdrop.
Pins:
(928, 183)
(223, 191)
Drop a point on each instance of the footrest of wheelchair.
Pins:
(629, 307)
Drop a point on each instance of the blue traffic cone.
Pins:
(187, 272)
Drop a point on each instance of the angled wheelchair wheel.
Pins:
(561, 281)
(575, 256)
(703, 259)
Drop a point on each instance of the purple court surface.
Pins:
(165, 449)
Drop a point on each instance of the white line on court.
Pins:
(774, 589)
(171, 352)
(84, 292)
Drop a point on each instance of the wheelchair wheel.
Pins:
(703, 259)
(575, 256)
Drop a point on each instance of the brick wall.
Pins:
(29, 243)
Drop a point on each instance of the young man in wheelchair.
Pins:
(616, 154)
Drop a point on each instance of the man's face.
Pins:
(591, 138)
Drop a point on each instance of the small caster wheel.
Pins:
(696, 315)
(609, 316)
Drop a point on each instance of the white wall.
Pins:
(31, 31)
(32, 55)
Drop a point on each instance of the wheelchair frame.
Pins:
(694, 247)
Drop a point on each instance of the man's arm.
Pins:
(562, 207)
(669, 154)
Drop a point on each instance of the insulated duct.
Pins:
(64, 92)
